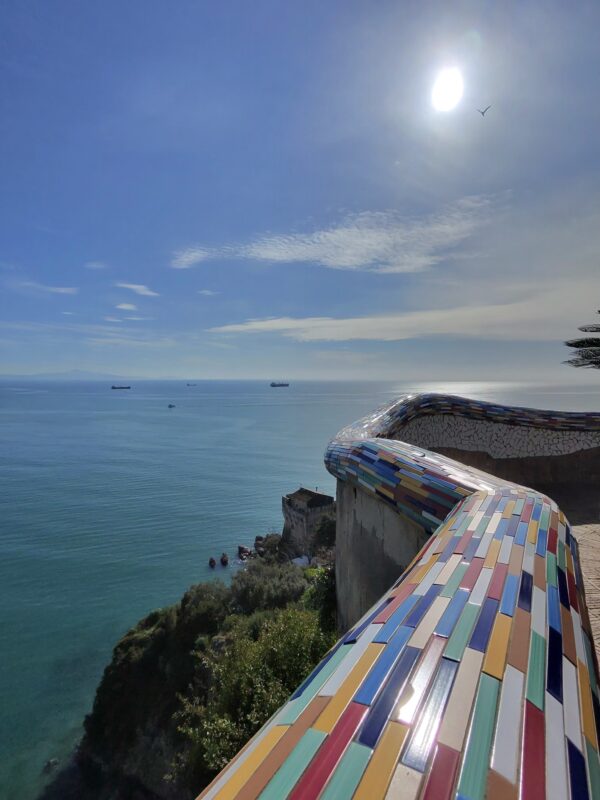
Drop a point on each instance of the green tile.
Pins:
(475, 766)
(292, 768)
(545, 518)
(461, 633)
(594, 770)
(536, 670)
(454, 580)
(590, 663)
(348, 772)
(518, 509)
(551, 576)
(294, 708)
(562, 559)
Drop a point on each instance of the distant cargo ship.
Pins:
(120, 387)
(278, 383)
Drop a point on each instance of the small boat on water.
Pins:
(224, 559)
(120, 387)
(212, 563)
(191, 384)
(171, 405)
(275, 384)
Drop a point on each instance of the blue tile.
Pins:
(501, 529)
(423, 737)
(509, 595)
(554, 664)
(417, 614)
(483, 627)
(390, 627)
(470, 549)
(563, 589)
(579, 787)
(353, 635)
(380, 711)
(553, 608)
(521, 534)
(512, 526)
(453, 611)
(525, 591)
(542, 540)
(378, 673)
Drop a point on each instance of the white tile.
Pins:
(356, 650)
(556, 764)
(528, 555)
(538, 611)
(505, 548)
(484, 544)
(481, 586)
(505, 754)
(429, 579)
(571, 703)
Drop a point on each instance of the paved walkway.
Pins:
(588, 538)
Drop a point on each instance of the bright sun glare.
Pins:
(447, 89)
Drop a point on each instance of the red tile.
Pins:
(463, 542)
(402, 593)
(572, 591)
(497, 582)
(552, 540)
(311, 784)
(533, 784)
(442, 774)
(527, 509)
(472, 573)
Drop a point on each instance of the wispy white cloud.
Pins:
(68, 313)
(139, 319)
(376, 241)
(111, 319)
(126, 307)
(207, 292)
(95, 265)
(541, 316)
(41, 287)
(190, 256)
(138, 288)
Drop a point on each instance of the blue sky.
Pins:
(263, 189)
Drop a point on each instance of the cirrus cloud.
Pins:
(138, 288)
(374, 241)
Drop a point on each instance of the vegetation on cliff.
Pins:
(189, 684)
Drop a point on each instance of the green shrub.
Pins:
(266, 585)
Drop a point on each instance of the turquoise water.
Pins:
(111, 505)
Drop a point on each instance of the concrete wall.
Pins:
(374, 544)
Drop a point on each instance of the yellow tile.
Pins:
(247, 768)
(509, 508)
(495, 657)
(382, 765)
(425, 628)
(456, 717)
(451, 565)
(532, 530)
(422, 571)
(383, 490)
(344, 694)
(585, 701)
(569, 560)
(492, 554)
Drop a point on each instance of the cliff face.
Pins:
(189, 684)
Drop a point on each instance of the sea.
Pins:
(111, 504)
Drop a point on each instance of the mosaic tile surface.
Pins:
(475, 675)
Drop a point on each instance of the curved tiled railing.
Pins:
(475, 675)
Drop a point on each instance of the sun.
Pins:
(447, 89)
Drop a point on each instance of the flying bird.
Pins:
(487, 108)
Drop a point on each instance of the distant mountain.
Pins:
(70, 375)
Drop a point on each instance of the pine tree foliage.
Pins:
(586, 349)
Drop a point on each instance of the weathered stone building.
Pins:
(303, 511)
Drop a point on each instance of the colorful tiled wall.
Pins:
(475, 675)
